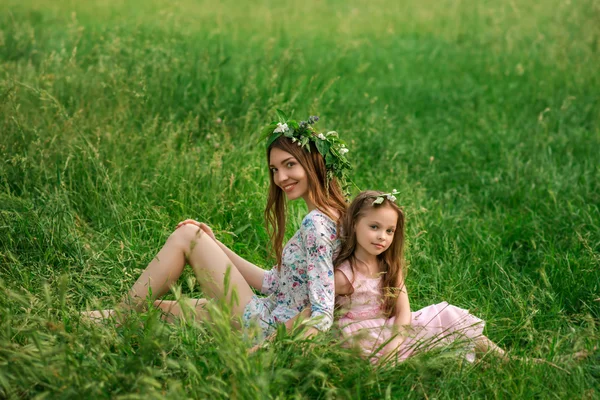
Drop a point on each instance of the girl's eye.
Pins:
(390, 231)
(273, 170)
(373, 227)
(290, 164)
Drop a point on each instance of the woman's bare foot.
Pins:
(582, 354)
(97, 316)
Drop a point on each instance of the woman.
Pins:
(304, 165)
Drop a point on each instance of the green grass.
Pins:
(484, 114)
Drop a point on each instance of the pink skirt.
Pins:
(433, 326)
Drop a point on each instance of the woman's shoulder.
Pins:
(317, 219)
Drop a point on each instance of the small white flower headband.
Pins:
(329, 145)
(390, 196)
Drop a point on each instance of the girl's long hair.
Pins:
(326, 196)
(391, 260)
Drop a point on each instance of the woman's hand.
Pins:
(265, 343)
(200, 225)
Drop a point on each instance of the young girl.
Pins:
(303, 277)
(370, 289)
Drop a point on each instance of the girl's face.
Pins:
(288, 174)
(375, 231)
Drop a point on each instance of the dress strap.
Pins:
(346, 269)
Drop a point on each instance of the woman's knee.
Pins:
(185, 234)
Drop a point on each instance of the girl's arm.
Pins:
(403, 315)
(401, 322)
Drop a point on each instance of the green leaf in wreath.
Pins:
(282, 117)
(267, 130)
(329, 159)
(272, 138)
(304, 142)
(322, 146)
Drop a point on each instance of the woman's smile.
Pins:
(289, 188)
(288, 174)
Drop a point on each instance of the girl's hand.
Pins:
(390, 351)
(254, 348)
(200, 225)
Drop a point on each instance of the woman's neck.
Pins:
(309, 204)
(331, 212)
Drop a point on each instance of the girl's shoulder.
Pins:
(346, 269)
(355, 273)
(344, 279)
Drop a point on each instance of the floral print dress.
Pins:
(305, 278)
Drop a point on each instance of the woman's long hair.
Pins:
(326, 196)
(391, 260)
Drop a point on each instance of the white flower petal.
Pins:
(281, 128)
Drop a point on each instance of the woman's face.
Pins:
(288, 174)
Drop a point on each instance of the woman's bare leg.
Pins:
(189, 244)
(210, 265)
(98, 315)
(173, 309)
(162, 272)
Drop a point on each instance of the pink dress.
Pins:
(364, 324)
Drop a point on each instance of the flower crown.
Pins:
(390, 196)
(330, 146)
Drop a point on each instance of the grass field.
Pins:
(120, 119)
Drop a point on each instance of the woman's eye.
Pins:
(273, 170)
(373, 227)
(390, 231)
(290, 164)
